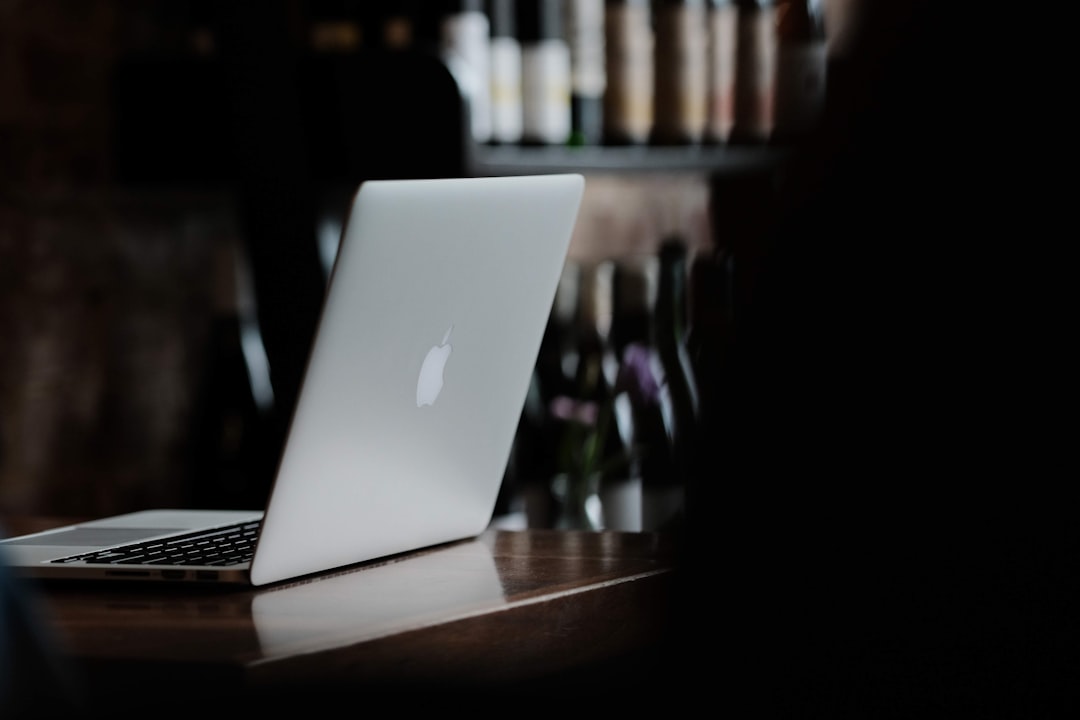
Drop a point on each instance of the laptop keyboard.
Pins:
(230, 545)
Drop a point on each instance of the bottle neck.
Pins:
(671, 294)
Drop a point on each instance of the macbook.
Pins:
(415, 382)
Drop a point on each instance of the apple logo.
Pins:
(430, 382)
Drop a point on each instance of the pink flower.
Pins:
(568, 408)
(636, 376)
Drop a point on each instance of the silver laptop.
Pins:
(429, 333)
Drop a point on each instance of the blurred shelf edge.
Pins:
(705, 159)
(365, 115)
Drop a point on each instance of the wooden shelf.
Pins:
(706, 160)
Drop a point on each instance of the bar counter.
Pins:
(544, 615)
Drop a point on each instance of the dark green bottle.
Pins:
(663, 498)
(590, 448)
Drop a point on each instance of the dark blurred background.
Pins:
(162, 164)
(173, 176)
(900, 446)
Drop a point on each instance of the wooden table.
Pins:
(538, 614)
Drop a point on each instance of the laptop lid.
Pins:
(431, 326)
(429, 333)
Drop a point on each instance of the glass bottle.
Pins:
(590, 446)
(755, 71)
(465, 46)
(505, 57)
(636, 405)
(662, 502)
(710, 330)
(628, 63)
(545, 73)
(801, 65)
(680, 102)
(588, 77)
(722, 49)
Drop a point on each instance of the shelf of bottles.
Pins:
(604, 85)
(640, 85)
(488, 87)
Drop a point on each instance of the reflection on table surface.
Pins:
(485, 596)
(444, 585)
